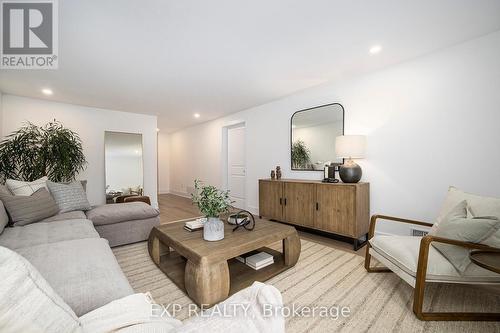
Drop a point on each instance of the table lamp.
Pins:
(350, 146)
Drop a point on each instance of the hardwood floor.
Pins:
(174, 208)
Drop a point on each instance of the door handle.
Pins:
(317, 206)
(285, 201)
(281, 201)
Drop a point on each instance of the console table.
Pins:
(334, 208)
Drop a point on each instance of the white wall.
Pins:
(90, 124)
(430, 123)
(163, 163)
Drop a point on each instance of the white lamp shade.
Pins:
(350, 146)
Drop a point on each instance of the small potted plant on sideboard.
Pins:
(212, 203)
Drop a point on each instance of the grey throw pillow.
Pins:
(69, 197)
(457, 226)
(4, 218)
(25, 209)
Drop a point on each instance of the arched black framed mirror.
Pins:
(312, 139)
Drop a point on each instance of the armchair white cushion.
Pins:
(400, 254)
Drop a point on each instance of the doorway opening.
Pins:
(234, 163)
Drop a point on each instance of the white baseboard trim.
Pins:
(164, 192)
(181, 194)
(253, 210)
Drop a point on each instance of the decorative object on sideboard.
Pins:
(243, 219)
(33, 152)
(329, 173)
(273, 174)
(350, 146)
(212, 203)
(278, 172)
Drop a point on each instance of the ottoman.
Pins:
(124, 223)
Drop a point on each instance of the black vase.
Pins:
(350, 172)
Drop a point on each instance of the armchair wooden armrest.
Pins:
(375, 218)
(418, 300)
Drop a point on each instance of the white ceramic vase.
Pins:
(213, 229)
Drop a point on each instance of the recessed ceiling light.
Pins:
(196, 115)
(375, 49)
(47, 91)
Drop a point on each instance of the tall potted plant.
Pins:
(33, 152)
(212, 203)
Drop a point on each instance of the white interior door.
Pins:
(236, 167)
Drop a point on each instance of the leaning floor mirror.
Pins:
(123, 165)
(313, 133)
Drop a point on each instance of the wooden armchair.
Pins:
(384, 249)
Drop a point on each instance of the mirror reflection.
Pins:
(123, 165)
(313, 136)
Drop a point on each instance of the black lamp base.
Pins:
(350, 172)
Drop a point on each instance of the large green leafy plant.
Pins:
(300, 155)
(33, 151)
(211, 201)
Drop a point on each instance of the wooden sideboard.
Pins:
(335, 208)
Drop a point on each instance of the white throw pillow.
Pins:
(130, 311)
(255, 309)
(477, 205)
(18, 187)
(27, 302)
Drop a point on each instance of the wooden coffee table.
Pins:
(207, 271)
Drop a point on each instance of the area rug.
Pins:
(329, 278)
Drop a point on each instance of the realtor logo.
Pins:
(29, 34)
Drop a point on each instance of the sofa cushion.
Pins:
(74, 215)
(24, 209)
(115, 213)
(27, 302)
(18, 187)
(4, 218)
(403, 252)
(47, 232)
(83, 272)
(457, 226)
(127, 232)
(69, 197)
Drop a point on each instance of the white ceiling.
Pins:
(173, 58)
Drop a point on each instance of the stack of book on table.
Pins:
(194, 225)
(256, 259)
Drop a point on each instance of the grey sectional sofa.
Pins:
(73, 253)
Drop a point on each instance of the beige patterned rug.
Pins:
(326, 277)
